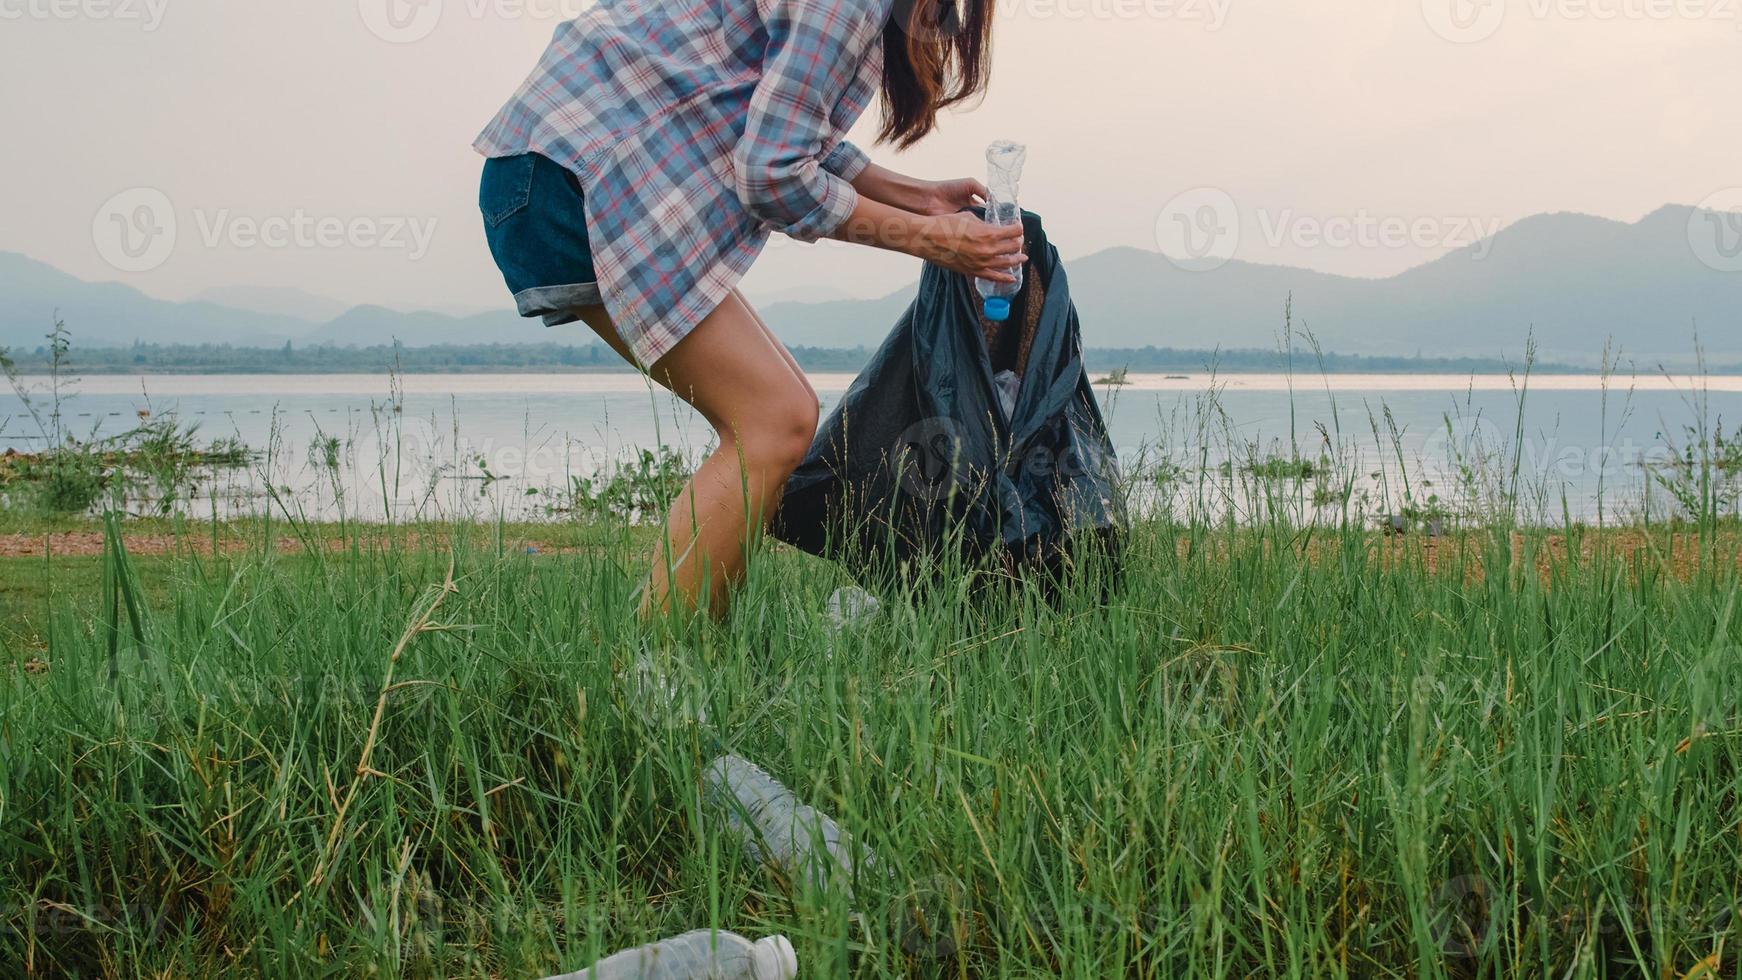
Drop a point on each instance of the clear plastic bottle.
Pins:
(1008, 385)
(704, 954)
(664, 692)
(1004, 161)
(778, 828)
(851, 605)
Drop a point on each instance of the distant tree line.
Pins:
(1157, 360)
(596, 357)
(324, 359)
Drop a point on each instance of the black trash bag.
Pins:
(919, 460)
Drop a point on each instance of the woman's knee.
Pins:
(781, 431)
(738, 378)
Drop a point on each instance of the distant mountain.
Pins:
(457, 311)
(1571, 280)
(107, 314)
(103, 314)
(369, 326)
(282, 300)
(814, 293)
(840, 323)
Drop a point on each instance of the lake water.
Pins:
(481, 444)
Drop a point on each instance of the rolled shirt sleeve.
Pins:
(783, 177)
(846, 161)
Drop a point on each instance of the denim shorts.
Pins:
(536, 223)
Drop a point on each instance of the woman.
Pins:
(635, 176)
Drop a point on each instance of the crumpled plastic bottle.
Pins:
(776, 827)
(850, 606)
(704, 954)
(1004, 161)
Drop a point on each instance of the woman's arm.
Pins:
(814, 49)
(958, 241)
(813, 55)
(918, 196)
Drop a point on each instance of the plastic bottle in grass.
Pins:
(804, 844)
(851, 605)
(777, 828)
(1004, 161)
(705, 954)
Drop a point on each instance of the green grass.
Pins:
(1246, 762)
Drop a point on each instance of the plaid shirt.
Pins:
(696, 128)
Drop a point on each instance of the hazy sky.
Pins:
(324, 144)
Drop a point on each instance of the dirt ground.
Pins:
(87, 543)
(1681, 552)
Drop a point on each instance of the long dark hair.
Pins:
(936, 53)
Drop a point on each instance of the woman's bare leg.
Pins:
(743, 382)
(784, 353)
(609, 335)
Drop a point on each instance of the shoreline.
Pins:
(594, 358)
(628, 382)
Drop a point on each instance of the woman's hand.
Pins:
(938, 197)
(958, 241)
(963, 243)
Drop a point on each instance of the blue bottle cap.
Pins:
(997, 308)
